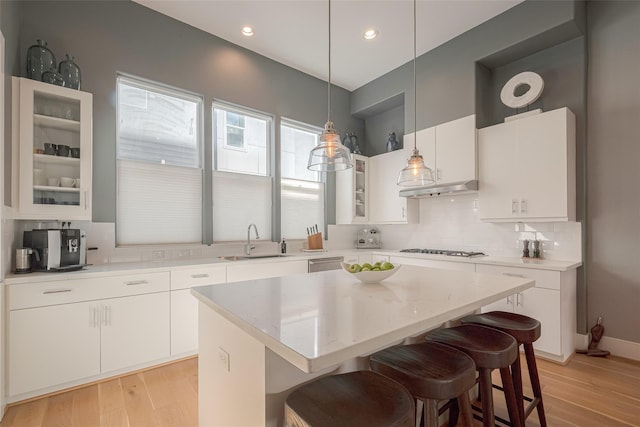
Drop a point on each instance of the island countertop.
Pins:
(319, 320)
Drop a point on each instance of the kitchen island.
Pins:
(259, 339)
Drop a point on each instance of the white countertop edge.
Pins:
(106, 270)
(362, 348)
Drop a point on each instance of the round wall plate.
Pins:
(527, 78)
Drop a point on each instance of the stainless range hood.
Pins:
(440, 190)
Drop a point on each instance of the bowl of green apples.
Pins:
(371, 273)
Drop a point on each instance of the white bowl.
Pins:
(371, 276)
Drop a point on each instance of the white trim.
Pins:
(621, 348)
(582, 341)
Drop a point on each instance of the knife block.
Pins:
(314, 241)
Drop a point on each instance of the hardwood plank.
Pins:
(114, 418)
(58, 413)
(85, 409)
(136, 400)
(110, 396)
(29, 414)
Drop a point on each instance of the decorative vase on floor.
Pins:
(39, 60)
(70, 72)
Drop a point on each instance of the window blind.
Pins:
(239, 200)
(158, 204)
(302, 205)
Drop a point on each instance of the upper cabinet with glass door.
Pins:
(52, 179)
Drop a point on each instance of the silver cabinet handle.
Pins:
(438, 174)
(85, 200)
(106, 315)
(509, 299)
(514, 206)
(522, 276)
(136, 282)
(57, 291)
(518, 299)
(403, 212)
(199, 276)
(523, 206)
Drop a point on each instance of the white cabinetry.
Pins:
(184, 306)
(263, 270)
(387, 207)
(449, 149)
(61, 332)
(352, 192)
(433, 263)
(527, 168)
(552, 302)
(51, 184)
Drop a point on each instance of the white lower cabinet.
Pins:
(184, 306)
(265, 270)
(552, 302)
(52, 345)
(61, 332)
(433, 263)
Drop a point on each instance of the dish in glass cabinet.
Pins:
(371, 276)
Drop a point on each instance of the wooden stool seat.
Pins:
(526, 331)
(523, 328)
(432, 372)
(490, 349)
(361, 398)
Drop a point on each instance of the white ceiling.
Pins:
(295, 32)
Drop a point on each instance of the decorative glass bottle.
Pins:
(39, 60)
(53, 77)
(70, 72)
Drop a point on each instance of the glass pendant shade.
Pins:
(330, 155)
(415, 173)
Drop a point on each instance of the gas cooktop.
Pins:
(443, 252)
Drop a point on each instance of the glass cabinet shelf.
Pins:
(56, 189)
(56, 123)
(58, 160)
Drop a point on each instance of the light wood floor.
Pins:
(587, 392)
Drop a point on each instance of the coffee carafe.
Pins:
(23, 259)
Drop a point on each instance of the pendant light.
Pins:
(415, 173)
(330, 155)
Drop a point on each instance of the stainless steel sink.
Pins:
(266, 256)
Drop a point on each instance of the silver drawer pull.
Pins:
(514, 275)
(57, 291)
(136, 282)
(199, 276)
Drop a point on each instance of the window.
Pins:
(159, 172)
(302, 191)
(242, 185)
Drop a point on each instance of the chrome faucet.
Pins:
(249, 246)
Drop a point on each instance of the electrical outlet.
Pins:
(224, 359)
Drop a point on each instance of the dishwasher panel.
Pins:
(325, 264)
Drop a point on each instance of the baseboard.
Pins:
(582, 341)
(621, 348)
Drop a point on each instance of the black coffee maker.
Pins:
(58, 249)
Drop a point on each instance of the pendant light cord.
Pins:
(329, 82)
(415, 87)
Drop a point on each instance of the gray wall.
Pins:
(613, 157)
(108, 37)
(378, 127)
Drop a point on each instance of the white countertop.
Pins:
(540, 264)
(319, 320)
(166, 265)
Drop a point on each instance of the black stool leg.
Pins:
(516, 375)
(487, 397)
(510, 396)
(535, 382)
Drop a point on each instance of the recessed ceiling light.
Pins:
(247, 31)
(370, 34)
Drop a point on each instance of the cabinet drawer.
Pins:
(544, 278)
(86, 289)
(184, 279)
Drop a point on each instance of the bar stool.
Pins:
(490, 349)
(360, 398)
(526, 331)
(432, 372)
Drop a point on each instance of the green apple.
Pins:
(386, 266)
(354, 268)
(365, 269)
(376, 269)
(367, 265)
(377, 265)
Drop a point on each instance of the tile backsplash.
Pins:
(454, 223)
